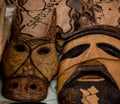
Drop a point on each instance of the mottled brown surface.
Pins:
(30, 59)
(22, 89)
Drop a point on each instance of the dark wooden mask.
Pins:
(30, 59)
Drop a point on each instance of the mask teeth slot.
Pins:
(92, 78)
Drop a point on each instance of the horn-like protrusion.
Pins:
(51, 31)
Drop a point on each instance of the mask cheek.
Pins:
(14, 56)
(68, 62)
(47, 63)
(113, 67)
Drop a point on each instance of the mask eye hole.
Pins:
(76, 51)
(43, 51)
(19, 48)
(111, 50)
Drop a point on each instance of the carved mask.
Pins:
(28, 68)
(90, 67)
(29, 61)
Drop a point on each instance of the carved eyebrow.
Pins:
(112, 50)
(75, 51)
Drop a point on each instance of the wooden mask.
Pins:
(30, 59)
(89, 68)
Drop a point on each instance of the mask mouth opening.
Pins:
(91, 71)
(91, 78)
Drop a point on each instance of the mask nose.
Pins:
(25, 89)
(92, 53)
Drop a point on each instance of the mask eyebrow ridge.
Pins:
(110, 49)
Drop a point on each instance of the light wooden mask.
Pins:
(91, 55)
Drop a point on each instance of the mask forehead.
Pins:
(92, 39)
(35, 42)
